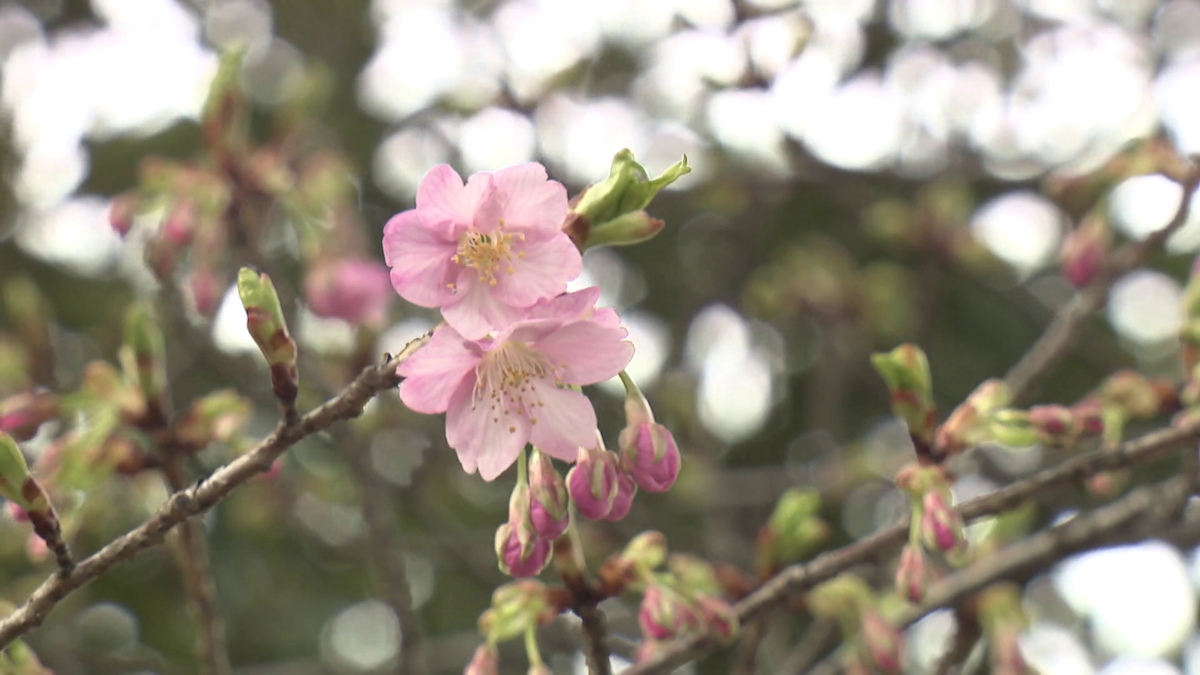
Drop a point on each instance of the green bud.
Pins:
(515, 608)
(16, 483)
(219, 417)
(611, 212)
(695, 575)
(905, 369)
(1013, 428)
(225, 120)
(145, 340)
(643, 554)
(264, 321)
(969, 423)
(19, 659)
(841, 598)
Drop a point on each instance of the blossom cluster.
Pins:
(508, 362)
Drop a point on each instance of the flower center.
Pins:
(487, 254)
(507, 380)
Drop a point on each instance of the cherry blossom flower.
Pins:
(352, 290)
(484, 251)
(502, 392)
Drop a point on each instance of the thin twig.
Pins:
(799, 578)
(1115, 522)
(192, 558)
(205, 494)
(820, 639)
(388, 559)
(1064, 328)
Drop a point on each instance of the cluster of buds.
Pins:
(794, 531)
(1002, 619)
(517, 610)
(538, 513)
(230, 193)
(612, 212)
(877, 645)
(936, 525)
(685, 598)
(603, 484)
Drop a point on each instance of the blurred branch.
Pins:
(801, 577)
(821, 637)
(192, 558)
(1131, 518)
(206, 493)
(966, 635)
(1064, 328)
(388, 558)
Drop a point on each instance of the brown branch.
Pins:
(1064, 328)
(204, 495)
(820, 639)
(966, 636)
(388, 559)
(1128, 519)
(191, 556)
(799, 578)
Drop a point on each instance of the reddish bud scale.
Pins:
(912, 575)
(882, 641)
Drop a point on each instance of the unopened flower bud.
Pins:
(514, 559)
(121, 212)
(1088, 416)
(516, 607)
(593, 482)
(178, 225)
(23, 414)
(1012, 428)
(611, 212)
(841, 598)
(905, 369)
(942, 528)
(881, 640)
(355, 291)
(644, 553)
(719, 617)
(1084, 250)
(970, 422)
(1133, 392)
(485, 662)
(549, 500)
(664, 613)
(1054, 424)
(205, 290)
(264, 320)
(913, 574)
(648, 450)
(695, 575)
(219, 417)
(623, 502)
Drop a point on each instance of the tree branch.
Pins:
(1064, 328)
(801, 577)
(388, 559)
(205, 494)
(192, 558)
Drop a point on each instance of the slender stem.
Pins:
(569, 558)
(387, 557)
(799, 578)
(191, 555)
(1064, 328)
(523, 467)
(201, 497)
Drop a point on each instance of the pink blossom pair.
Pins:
(515, 347)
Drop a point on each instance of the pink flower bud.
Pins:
(882, 641)
(1084, 251)
(1055, 424)
(548, 507)
(593, 482)
(206, 291)
(942, 528)
(913, 573)
(23, 414)
(485, 662)
(121, 212)
(664, 614)
(514, 560)
(719, 618)
(177, 226)
(16, 512)
(626, 491)
(356, 291)
(650, 455)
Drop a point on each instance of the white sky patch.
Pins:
(74, 234)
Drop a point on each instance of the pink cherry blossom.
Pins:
(502, 392)
(482, 251)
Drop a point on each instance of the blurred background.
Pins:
(865, 172)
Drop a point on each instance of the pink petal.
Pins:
(420, 258)
(565, 422)
(437, 370)
(441, 196)
(588, 352)
(531, 201)
(476, 311)
(547, 264)
(486, 202)
(606, 316)
(568, 306)
(483, 439)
